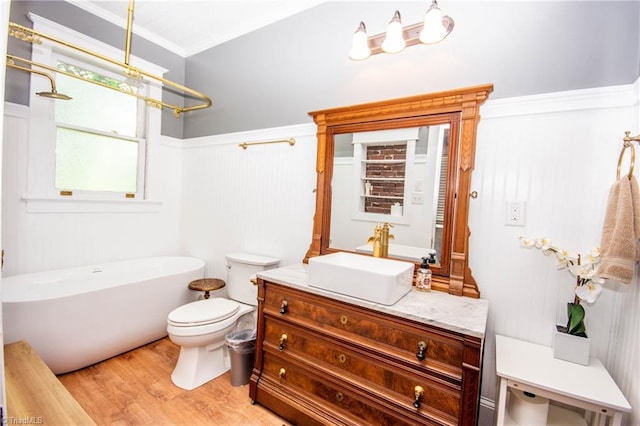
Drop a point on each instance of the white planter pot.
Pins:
(570, 348)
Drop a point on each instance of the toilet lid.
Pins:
(203, 312)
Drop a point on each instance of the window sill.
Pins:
(84, 205)
(379, 217)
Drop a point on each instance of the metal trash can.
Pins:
(242, 345)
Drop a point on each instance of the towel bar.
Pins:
(627, 144)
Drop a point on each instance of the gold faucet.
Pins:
(376, 239)
(384, 239)
(380, 240)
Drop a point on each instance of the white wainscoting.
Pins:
(260, 200)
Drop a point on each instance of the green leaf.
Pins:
(575, 312)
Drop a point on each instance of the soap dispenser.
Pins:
(423, 278)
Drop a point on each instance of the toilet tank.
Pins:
(241, 267)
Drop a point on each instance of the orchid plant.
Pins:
(583, 269)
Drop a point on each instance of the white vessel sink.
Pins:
(374, 279)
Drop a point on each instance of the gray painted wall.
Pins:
(275, 75)
(17, 82)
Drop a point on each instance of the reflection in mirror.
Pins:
(397, 176)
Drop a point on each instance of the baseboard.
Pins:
(486, 415)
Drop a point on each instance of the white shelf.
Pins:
(385, 197)
(397, 179)
(383, 161)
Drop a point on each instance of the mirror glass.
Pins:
(397, 176)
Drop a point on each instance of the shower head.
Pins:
(53, 94)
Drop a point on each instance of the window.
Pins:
(384, 170)
(384, 163)
(100, 141)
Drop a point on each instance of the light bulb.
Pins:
(394, 41)
(434, 29)
(360, 44)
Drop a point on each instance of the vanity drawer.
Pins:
(396, 337)
(363, 367)
(354, 404)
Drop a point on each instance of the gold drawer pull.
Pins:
(417, 393)
(283, 307)
(283, 340)
(343, 319)
(342, 358)
(422, 347)
(339, 396)
(282, 372)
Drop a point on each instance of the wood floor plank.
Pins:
(135, 388)
(34, 394)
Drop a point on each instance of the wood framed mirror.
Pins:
(405, 161)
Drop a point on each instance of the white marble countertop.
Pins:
(454, 313)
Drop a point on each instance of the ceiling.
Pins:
(187, 27)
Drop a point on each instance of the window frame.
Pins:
(41, 195)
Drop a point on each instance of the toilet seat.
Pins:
(203, 312)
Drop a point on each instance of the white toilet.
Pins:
(200, 327)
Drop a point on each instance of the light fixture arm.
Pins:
(33, 36)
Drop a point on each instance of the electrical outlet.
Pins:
(514, 213)
(417, 198)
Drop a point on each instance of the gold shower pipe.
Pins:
(150, 101)
(127, 45)
(290, 141)
(12, 64)
(32, 36)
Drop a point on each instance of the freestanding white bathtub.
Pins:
(76, 317)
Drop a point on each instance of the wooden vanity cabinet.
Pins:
(324, 361)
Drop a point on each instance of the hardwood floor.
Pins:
(135, 388)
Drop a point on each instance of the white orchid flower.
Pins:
(565, 258)
(589, 292)
(588, 284)
(527, 242)
(585, 271)
(543, 243)
(593, 256)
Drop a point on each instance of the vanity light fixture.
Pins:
(433, 29)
